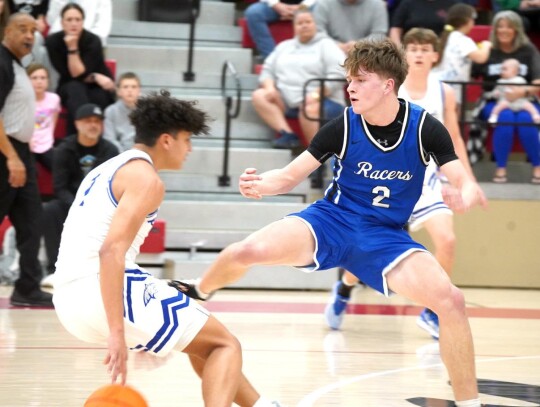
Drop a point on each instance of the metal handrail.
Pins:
(189, 75)
(322, 82)
(231, 112)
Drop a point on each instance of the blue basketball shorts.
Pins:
(367, 249)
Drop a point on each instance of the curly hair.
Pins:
(378, 55)
(159, 113)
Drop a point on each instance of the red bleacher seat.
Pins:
(4, 225)
(280, 30)
(480, 33)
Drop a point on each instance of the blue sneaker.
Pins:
(429, 321)
(286, 141)
(335, 310)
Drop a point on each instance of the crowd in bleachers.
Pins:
(295, 41)
(461, 58)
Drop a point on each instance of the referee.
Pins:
(19, 194)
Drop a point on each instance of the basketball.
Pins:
(115, 395)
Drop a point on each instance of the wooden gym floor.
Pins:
(380, 358)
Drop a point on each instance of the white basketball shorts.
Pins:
(157, 317)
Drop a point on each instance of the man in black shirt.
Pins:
(73, 159)
(19, 194)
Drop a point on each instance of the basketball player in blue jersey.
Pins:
(381, 146)
(423, 88)
(102, 296)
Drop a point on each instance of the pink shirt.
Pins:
(43, 138)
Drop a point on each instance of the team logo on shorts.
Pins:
(150, 291)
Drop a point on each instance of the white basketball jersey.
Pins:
(89, 220)
(433, 103)
(433, 100)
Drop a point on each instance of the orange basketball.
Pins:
(115, 395)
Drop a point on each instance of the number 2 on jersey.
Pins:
(381, 193)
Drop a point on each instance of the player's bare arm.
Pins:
(278, 181)
(451, 123)
(139, 191)
(466, 194)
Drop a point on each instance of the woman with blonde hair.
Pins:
(510, 41)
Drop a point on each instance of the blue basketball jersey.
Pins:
(379, 183)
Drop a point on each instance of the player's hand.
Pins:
(17, 172)
(116, 359)
(248, 183)
(452, 197)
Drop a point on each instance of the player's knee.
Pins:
(448, 243)
(455, 301)
(250, 252)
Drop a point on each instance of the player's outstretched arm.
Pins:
(279, 181)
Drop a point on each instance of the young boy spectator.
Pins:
(118, 127)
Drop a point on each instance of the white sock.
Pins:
(263, 402)
(469, 403)
(201, 294)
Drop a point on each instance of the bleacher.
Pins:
(200, 216)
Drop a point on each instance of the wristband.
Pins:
(73, 51)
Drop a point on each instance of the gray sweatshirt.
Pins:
(118, 128)
(292, 63)
(344, 21)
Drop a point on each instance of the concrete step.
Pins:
(149, 33)
(212, 12)
(209, 160)
(167, 59)
(180, 265)
(223, 194)
(249, 215)
(204, 81)
(518, 169)
(261, 277)
(218, 223)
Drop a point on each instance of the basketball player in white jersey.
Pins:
(423, 88)
(102, 296)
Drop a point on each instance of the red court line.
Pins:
(354, 309)
(360, 309)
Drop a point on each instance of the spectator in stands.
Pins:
(74, 158)
(457, 50)
(510, 41)
(529, 10)
(4, 16)
(118, 127)
(77, 56)
(19, 194)
(98, 18)
(510, 75)
(347, 21)
(258, 15)
(36, 8)
(308, 55)
(409, 14)
(46, 116)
